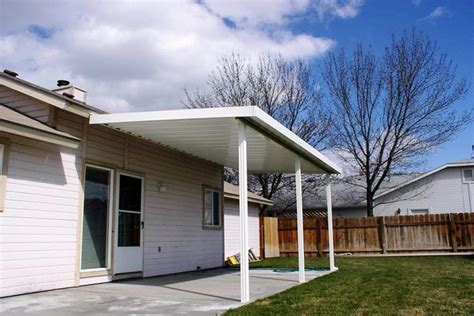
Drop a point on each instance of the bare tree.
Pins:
(286, 90)
(390, 112)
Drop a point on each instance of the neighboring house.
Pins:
(232, 224)
(88, 197)
(447, 189)
(348, 197)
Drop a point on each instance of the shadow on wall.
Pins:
(40, 162)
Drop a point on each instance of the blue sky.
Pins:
(452, 27)
(139, 55)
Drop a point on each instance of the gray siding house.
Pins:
(348, 196)
(447, 189)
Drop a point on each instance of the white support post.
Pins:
(332, 265)
(299, 220)
(243, 209)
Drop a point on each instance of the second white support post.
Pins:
(243, 210)
(299, 220)
(332, 265)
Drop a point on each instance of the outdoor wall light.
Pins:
(162, 187)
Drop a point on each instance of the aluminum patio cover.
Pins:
(244, 138)
(212, 134)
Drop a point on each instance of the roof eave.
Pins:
(30, 132)
(47, 96)
(250, 199)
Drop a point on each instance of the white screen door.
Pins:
(129, 224)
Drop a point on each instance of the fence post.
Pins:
(383, 234)
(452, 232)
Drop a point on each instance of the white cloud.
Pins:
(276, 12)
(438, 12)
(140, 55)
(253, 13)
(416, 2)
(338, 8)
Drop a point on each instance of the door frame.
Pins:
(118, 173)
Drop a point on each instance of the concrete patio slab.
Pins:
(207, 292)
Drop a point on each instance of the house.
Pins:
(89, 197)
(231, 220)
(446, 189)
(348, 197)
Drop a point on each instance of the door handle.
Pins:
(143, 225)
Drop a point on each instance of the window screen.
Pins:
(212, 208)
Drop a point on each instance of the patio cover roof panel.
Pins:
(212, 134)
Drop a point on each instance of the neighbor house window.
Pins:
(420, 211)
(96, 218)
(468, 175)
(212, 208)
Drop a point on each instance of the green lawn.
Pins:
(380, 285)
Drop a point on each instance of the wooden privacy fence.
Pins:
(391, 234)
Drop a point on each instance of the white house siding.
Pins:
(39, 222)
(173, 219)
(39, 226)
(441, 192)
(232, 227)
(24, 104)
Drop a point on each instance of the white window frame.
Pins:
(464, 180)
(109, 245)
(221, 219)
(427, 209)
